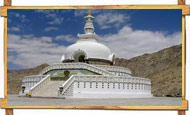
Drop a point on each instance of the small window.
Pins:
(90, 84)
(84, 84)
(131, 86)
(78, 84)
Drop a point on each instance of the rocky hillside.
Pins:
(14, 79)
(164, 68)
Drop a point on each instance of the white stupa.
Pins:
(86, 71)
(87, 49)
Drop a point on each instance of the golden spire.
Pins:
(89, 12)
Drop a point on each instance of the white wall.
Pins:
(92, 112)
(113, 91)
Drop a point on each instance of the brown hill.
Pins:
(14, 78)
(164, 68)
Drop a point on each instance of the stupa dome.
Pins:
(90, 48)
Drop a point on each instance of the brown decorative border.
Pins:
(185, 8)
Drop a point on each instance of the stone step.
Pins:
(49, 89)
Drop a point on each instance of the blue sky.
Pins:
(40, 36)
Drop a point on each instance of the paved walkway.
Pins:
(14, 100)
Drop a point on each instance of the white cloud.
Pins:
(128, 43)
(28, 36)
(84, 12)
(43, 10)
(32, 52)
(52, 14)
(29, 51)
(22, 17)
(48, 12)
(107, 20)
(14, 29)
(68, 38)
(56, 21)
(46, 39)
(80, 12)
(47, 29)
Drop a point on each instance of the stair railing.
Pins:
(66, 85)
(39, 85)
(114, 68)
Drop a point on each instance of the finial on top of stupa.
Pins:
(89, 12)
(89, 27)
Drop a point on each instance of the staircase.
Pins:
(49, 90)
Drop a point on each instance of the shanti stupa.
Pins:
(86, 71)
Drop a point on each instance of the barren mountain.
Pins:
(14, 78)
(164, 68)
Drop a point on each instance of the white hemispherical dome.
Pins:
(90, 49)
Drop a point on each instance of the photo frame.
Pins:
(180, 109)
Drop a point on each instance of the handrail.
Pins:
(39, 84)
(30, 81)
(116, 79)
(114, 68)
(74, 65)
(33, 77)
(99, 69)
(67, 84)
